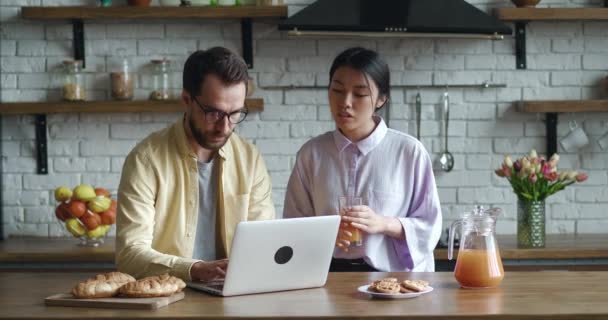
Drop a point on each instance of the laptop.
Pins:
(277, 255)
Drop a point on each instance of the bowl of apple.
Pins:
(87, 213)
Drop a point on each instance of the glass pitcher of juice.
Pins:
(478, 264)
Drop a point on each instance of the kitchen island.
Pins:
(522, 295)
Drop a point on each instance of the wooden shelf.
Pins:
(564, 106)
(255, 104)
(551, 14)
(153, 12)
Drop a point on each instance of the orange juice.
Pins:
(479, 268)
(355, 238)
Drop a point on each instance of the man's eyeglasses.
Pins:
(213, 115)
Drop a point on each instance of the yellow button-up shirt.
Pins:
(158, 201)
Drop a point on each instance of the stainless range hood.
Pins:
(394, 18)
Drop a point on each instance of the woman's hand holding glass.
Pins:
(363, 219)
(347, 234)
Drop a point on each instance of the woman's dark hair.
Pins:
(223, 63)
(369, 63)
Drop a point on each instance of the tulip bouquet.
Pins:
(534, 179)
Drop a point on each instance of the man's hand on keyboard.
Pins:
(206, 271)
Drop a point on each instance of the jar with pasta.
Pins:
(73, 81)
(122, 79)
(160, 80)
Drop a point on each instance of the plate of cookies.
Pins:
(392, 288)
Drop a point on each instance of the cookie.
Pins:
(403, 289)
(385, 285)
(415, 285)
(372, 286)
(388, 287)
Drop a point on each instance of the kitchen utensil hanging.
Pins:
(418, 116)
(446, 160)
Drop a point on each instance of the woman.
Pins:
(400, 217)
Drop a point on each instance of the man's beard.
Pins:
(203, 140)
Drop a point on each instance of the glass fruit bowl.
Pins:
(86, 213)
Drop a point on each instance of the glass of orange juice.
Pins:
(345, 204)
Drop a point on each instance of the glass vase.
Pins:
(530, 224)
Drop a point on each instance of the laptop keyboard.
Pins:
(216, 286)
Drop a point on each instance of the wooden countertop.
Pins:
(54, 250)
(558, 246)
(522, 295)
(67, 250)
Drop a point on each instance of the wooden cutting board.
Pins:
(67, 300)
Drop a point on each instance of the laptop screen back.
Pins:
(277, 255)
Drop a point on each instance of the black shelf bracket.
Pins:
(520, 44)
(551, 124)
(1, 186)
(78, 40)
(41, 144)
(247, 41)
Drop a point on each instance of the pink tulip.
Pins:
(506, 171)
(533, 178)
(581, 177)
(499, 172)
(552, 176)
(546, 169)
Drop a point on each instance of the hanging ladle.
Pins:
(446, 160)
(418, 115)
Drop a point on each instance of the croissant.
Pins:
(156, 286)
(102, 285)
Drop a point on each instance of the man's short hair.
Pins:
(219, 61)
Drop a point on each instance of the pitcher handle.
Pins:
(451, 238)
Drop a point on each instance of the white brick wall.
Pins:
(565, 61)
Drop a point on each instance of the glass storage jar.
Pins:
(160, 80)
(73, 81)
(122, 79)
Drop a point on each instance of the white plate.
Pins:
(364, 288)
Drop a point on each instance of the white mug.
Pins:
(603, 141)
(575, 139)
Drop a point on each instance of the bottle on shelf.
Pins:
(160, 80)
(73, 81)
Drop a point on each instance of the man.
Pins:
(184, 189)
